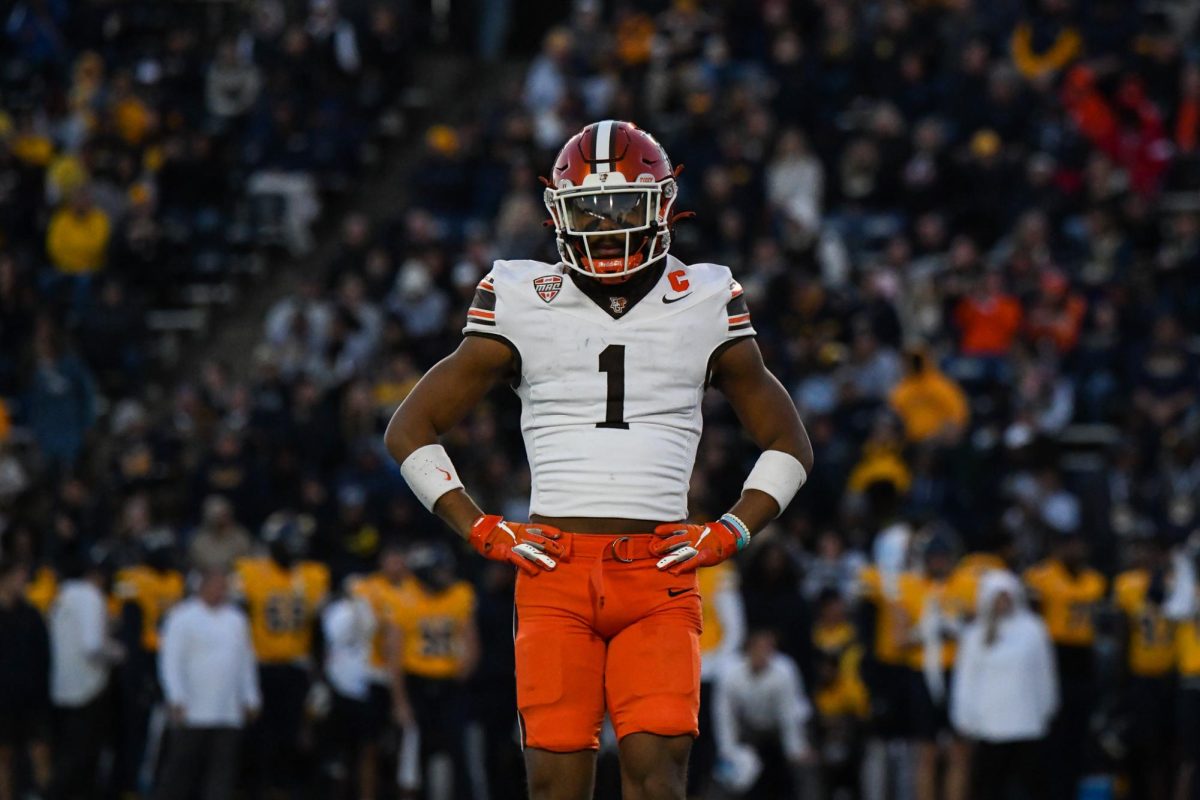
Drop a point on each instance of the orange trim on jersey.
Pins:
(739, 319)
(485, 286)
(475, 312)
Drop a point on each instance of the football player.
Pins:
(1149, 636)
(439, 649)
(282, 593)
(384, 591)
(936, 609)
(610, 350)
(142, 595)
(1067, 591)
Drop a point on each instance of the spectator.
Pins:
(333, 36)
(230, 471)
(795, 184)
(932, 407)
(988, 320)
(211, 689)
(1057, 315)
(82, 653)
(220, 541)
(24, 689)
(233, 83)
(77, 239)
(60, 398)
(834, 566)
(1007, 719)
(759, 716)
(1166, 383)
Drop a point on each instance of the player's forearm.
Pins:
(756, 509)
(458, 510)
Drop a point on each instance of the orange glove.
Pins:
(529, 547)
(685, 548)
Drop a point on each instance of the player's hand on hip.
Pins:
(685, 548)
(532, 548)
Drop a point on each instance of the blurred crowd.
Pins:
(969, 234)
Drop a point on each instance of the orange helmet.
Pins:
(610, 199)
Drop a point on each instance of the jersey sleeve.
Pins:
(481, 316)
(737, 313)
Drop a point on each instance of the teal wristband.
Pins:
(739, 529)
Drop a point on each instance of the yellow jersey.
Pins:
(722, 577)
(1187, 647)
(154, 592)
(1067, 601)
(846, 695)
(966, 576)
(386, 600)
(893, 599)
(434, 628)
(282, 605)
(1151, 639)
(953, 605)
(42, 589)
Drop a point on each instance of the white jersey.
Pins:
(610, 405)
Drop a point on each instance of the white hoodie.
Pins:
(1005, 691)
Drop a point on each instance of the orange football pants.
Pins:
(606, 630)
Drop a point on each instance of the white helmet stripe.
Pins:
(604, 136)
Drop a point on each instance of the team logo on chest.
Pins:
(548, 286)
(617, 304)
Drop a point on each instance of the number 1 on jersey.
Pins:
(612, 363)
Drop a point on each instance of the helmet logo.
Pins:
(548, 286)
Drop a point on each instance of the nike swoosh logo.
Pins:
(444, 472)
(703, 536)
(677, 592)
(675, 299)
